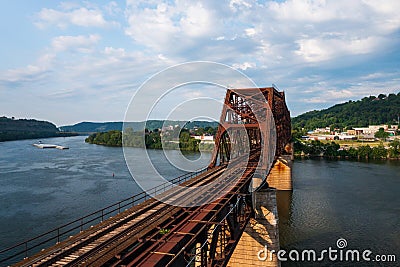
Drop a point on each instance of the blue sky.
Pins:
(72, 61)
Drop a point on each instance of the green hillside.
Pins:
(12, 129)
(373, 110)
(91, 127)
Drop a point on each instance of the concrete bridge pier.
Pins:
(260, 239)
(280, 176)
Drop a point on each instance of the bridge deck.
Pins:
(164, 251)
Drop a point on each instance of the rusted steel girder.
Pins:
(207, 237)
(250, 109)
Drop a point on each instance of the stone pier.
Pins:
(261, 234)
(280, 176)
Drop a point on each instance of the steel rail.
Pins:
(61, 250)
(131, 258)
(150, 221)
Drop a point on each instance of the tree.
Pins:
(352, 152)
(381, 134)
(331, 149)
(381, 96)
(128, 136)
(364, 152)
(379, 152)
(394, 150)
(199, 131)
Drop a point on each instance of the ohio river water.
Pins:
(41, 189)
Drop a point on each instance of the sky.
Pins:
(73, 61)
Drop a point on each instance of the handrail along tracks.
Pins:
(136, 229)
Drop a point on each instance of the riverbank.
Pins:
(14, 136)
(333, 150)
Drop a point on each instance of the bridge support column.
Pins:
(261, 236)
(280, 176)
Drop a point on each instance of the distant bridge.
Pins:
(252, 152)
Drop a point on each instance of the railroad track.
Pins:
(117, 231)
(134, 229)
(143, 254)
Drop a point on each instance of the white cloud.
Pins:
(47, 61)
(338, 94)
(379, 75)
(386, 14)
(236, 5)
(172, 27)
(81, 16)
(320, 49)
(151, 27)
(80, 42)
(324, 30)
(250, 32)
(196, 21)
(30, 72)
(244, 65)
(69, 5)
(314, 10)
(119, 52)
(112, 8)
(315, 100)
(275, 33)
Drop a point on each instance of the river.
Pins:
(41, 189)
(332, 199)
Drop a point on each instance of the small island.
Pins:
(197, 139)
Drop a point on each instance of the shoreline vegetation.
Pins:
(152, 139)
(333, 150)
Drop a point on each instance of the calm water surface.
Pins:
(357, 201)
(41, 189)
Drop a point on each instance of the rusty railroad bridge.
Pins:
(251, 160)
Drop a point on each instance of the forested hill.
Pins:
(12, 129)
(92, 127)
(373, 110)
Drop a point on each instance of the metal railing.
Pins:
(33, 245)
(209, 235)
